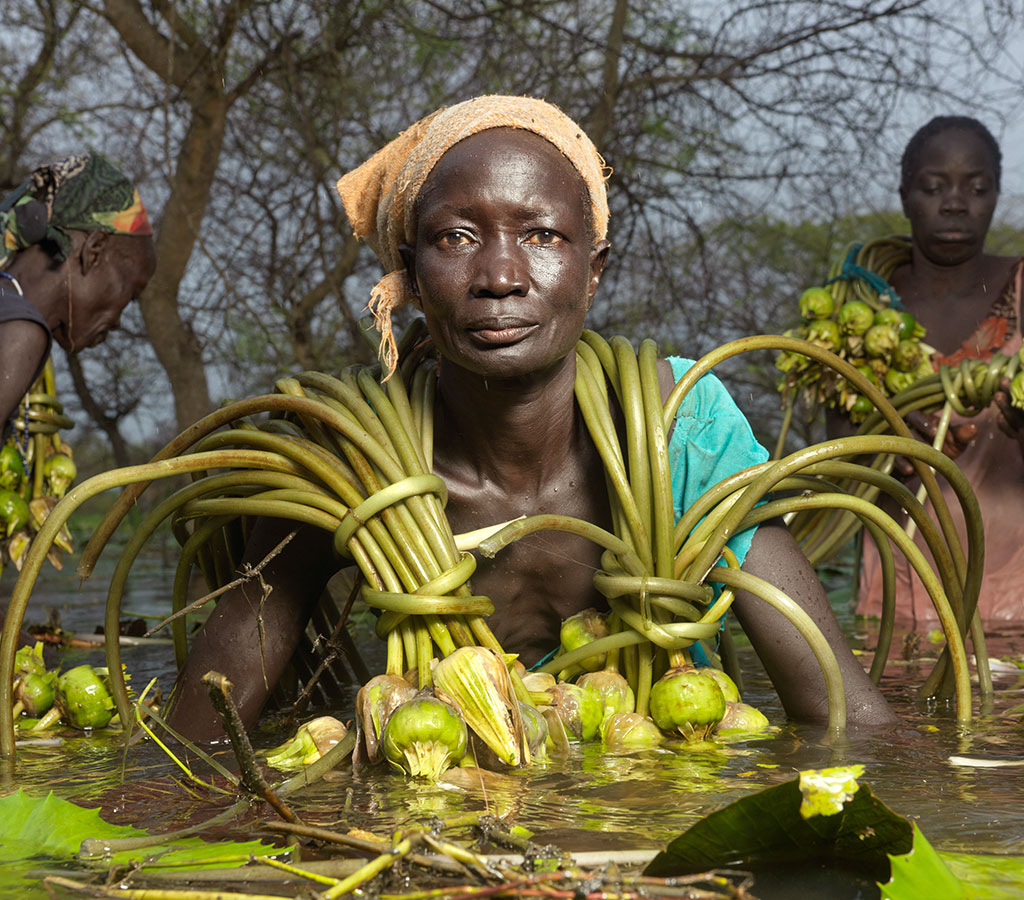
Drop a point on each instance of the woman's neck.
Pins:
(980, 277)
(516, 435)
(951, 301)
(44, 284)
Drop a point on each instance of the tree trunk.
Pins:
(107, 424)
(176, 345)
(599, 123)
(182, 63)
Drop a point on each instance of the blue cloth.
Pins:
(711, 440)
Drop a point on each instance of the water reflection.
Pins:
(588, 800)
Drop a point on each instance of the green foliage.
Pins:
(38, 832)
(921, 873)
(987, 877)
(925, 872)
(1005, 239)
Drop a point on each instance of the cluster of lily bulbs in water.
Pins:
(79, 697)
(470, 715)
(22, 511)
(883, 345)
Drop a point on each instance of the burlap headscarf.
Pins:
(380, 196)
(84, 192)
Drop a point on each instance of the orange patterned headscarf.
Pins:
(380, 196)
(83, 192)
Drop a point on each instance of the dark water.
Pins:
(590, 800)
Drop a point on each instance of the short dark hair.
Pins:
(939, 125)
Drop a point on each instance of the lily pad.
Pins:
(921, 873)
(771, 828)
(987, 877)
(826, 817)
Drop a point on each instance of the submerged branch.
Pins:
(252, 778)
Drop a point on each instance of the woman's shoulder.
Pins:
(1009, 272)
(14, 305)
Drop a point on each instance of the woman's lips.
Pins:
(951, 236)
(500, 332)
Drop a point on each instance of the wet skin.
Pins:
(505, 268)
(504, 265)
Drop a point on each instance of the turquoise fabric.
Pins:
(711, 440)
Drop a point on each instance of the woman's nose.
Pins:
(502, 269)
(953, 200)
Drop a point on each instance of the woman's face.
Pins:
(504, 264)
(951, 197)
(104, 274)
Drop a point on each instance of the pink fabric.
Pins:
(995, 469)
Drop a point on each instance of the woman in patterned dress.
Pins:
(969, 303)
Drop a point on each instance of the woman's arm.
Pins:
(251, 635)
(775, 556)
(923, 425)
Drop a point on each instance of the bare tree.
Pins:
(238, 117)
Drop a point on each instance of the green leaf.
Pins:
(37, 832)
(921, 873)
(987, 877)
(825, 816)
(767, 828)
(925, 872)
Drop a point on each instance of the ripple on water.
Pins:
(590, 800)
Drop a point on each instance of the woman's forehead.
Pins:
(503, 150)
(955, 145)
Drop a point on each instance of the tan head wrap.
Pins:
(380, 196)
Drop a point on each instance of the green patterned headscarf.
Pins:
(84, 192)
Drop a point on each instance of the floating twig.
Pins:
(249, 572)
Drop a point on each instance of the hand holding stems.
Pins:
(958, 437)
(1011, 418)
(926, 426)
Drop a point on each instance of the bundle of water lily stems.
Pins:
(354, 457)
(36, 468)
(967, 389)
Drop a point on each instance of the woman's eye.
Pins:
(453, 238)
(544, 237)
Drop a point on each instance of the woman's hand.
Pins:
(925, 426)
(1011, 419)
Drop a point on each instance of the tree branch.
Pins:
(164, 57)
